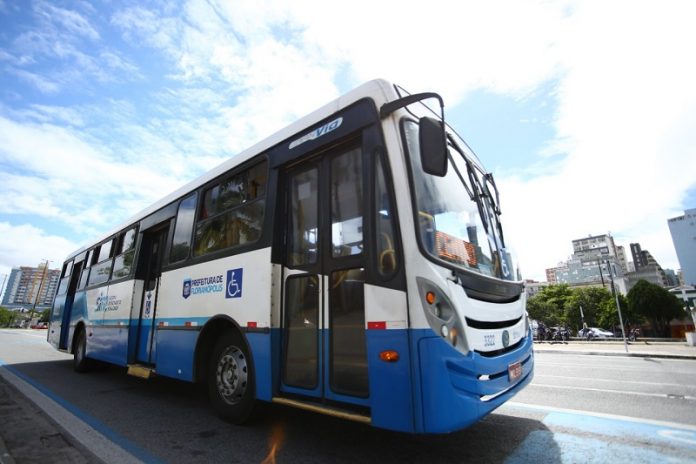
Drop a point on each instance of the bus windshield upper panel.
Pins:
(457, 221)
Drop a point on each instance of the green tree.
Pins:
(45, 315)
(608, 317)
(592, 299)
(548, 306)
(655, 304)
(6, 317)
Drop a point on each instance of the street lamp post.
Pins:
(618, 308)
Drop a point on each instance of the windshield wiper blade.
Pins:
(476, 196)
(488, 179)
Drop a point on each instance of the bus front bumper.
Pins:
(458, 390)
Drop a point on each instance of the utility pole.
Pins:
(618, 308)
(36, 298)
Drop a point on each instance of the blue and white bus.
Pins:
(352, 264)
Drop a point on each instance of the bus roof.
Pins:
(379, 90)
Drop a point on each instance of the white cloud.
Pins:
(57, 174)
(44, 85)
(626, 113)
(26, 245)
(72, 21)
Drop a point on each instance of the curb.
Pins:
(620, 353)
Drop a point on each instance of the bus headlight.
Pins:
(441, 315)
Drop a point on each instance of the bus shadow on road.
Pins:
(496, 438)
(173, 421)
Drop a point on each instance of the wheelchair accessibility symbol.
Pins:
(234, 283)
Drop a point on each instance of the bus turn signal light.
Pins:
(389, 356)
(430, 298)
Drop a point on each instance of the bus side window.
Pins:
(387, 255)
(181, 243)
(84, 278)
(126, 250)
(65, 278)
(232, 211)
(101, 271)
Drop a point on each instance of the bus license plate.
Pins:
(515, 371)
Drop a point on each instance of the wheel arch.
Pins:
(210, 333)
(71, 342)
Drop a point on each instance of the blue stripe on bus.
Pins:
(110, 434)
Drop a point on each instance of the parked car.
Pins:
(594, 332)
(40, 325)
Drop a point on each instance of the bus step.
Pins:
(321, 409)
(138, 370)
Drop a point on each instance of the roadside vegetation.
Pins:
(559, 305)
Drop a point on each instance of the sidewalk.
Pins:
(27, 434)
(645, 349)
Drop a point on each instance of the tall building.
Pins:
(672, 278)
(27, 285)
(596, 260)
(683, 230)
(622, 258)
(595, 245)
(646, 268)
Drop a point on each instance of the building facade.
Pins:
(29, 285)
(596, 261)
(683, 231)
(646, 268)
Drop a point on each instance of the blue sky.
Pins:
(585, 111)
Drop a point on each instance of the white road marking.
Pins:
(622, 392)
(637, 420)
(661, 384)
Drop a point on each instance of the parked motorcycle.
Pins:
(633, 335)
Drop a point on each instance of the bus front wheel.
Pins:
(231, 379)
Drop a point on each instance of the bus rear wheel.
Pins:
(231, 379)
(81, 363)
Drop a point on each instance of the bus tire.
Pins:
(231, 385)
(81, 363)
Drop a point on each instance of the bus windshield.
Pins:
(458, 215)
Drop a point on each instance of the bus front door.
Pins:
(152, 248)
(324, 352)
(67, 307)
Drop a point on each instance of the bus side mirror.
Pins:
(433, 147)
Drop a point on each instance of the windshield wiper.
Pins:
(475, 196)
(488, 179)
(480, 191)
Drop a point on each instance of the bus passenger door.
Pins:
(324, 352)
(150, 261)
(67, 307)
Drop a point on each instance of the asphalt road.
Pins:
(578, 409)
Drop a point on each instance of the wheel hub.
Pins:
(231, 375)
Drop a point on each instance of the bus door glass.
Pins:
(151, 251)
(67, 308)
(324, 349)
